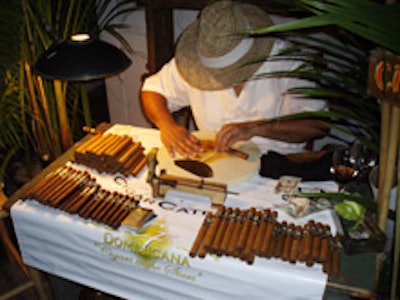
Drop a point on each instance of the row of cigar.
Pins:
(250, 232)
(111, 153)
(76, 192)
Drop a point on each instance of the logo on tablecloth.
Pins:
(148, 248)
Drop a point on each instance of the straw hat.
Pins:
(210, 53)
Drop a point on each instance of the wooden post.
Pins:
(386, 175)
(65, 131)
(384, 83)
(396, 245)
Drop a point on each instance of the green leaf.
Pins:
(369, 204)
(350, 210)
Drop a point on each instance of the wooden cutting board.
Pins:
(227, 168)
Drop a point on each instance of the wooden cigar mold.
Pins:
(249, 233)
(111, 153)
(164, 182)
(76, 192)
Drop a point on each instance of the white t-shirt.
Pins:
(260, 99)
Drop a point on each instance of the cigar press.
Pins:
(163, 182)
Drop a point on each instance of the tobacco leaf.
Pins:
(195, 167)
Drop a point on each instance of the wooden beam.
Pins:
(160, 37)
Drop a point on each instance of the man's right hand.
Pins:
(178, 140)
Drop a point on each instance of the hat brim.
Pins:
(203, 78)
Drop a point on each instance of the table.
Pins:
(154, 263)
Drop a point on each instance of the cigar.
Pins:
(94, 142)
(268, 234)
(295, 244)
(121, 210)
(82, 147)
(200, 235)
(212, 231)
(238, 153)
(316, 248)
(288, 242)
(95, 157)
(229, 231)
(81, 151)
(313, 232)
(112, 154)
(248, 253)
(84, 154)
(306, 242)
(119, 147)
(78, 194)
(75, 202)
(216, 244)
(85, 210)
(107, 206)
(46, 181)
(280, 235)
(132, 159)
(89, 129)
(201, 250)
(324, 244)
(52, 191)
(129, 163)
(97, 148)
(273, 240)
(125, 157)
(137, 166)
(261, 231)
(121, 216)
(101, 207)
(244, 234)
(45, 188)
(74, 184)
(236, 232)
(106, 219)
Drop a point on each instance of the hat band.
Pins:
(229, 58)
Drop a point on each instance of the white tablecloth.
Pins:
(154, 263)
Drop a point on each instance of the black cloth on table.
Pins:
(275, 165)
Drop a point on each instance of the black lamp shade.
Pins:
(81, 61)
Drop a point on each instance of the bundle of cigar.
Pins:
(76, 192)
(249, 233)
(111, 153)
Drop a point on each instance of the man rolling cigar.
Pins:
(211, 72)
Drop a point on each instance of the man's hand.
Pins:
(232, 133)
(178, 139)
(291, 131)
(175, 138)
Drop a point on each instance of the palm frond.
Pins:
(372, 21)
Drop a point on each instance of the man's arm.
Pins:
(291, 131)
(174, 137)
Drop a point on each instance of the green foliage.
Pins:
(339, 72)
(332, 39)
(352, 211)
(28, 107)
(371, 20)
